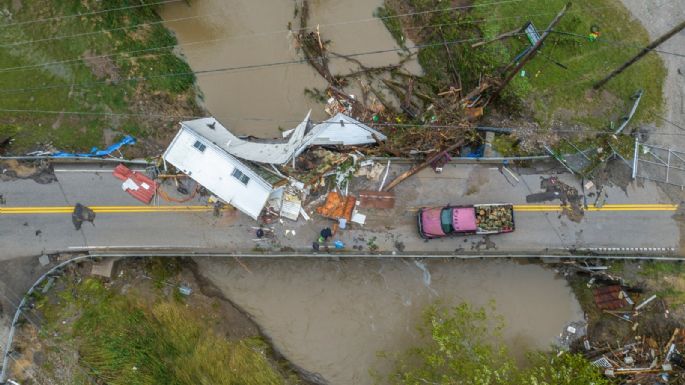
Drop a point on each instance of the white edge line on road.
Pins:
(91, 171)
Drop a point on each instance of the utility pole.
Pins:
(642, 53)
(531, 53)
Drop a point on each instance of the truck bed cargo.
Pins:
(436, 222)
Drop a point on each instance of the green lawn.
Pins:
(31, 80)
(562, 94)
(122, 340)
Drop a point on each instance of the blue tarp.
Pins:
(476, 152)
(95, 152)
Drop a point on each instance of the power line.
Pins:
(79, 59)
(238, 68)
(200, 16)
(25, 42)
(262, 34)
(374, 124)
(9, 69)
(231, 69)
(619, 43)
(33, 21)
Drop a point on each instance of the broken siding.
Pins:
(265, 151)
(344, 130)
(338, 130)
(213, 168)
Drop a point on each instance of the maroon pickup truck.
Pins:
(437, 222)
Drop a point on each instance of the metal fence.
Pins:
(659, 164)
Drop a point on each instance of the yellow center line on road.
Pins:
(187, 209)
(103, 209)
(606, 207)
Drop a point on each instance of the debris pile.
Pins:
(494, 218)
(643, 361)
(631, 335)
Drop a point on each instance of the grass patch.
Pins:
(667, 277)
(563, 94)
(392, 23)
(122, 341)
(69, 64)
(657, 270)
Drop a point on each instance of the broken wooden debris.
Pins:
(337, 206)
(376, 199)
(423, 165)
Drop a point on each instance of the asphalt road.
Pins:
(36, 218)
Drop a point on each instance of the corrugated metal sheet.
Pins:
(609, 297)
(339, 130)
(136, 184)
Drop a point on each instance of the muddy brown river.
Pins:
(234, 33)
(334, 317)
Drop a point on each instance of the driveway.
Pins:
(658, 17)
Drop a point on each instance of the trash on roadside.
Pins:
(292, 204)
(371, 171)
(440, 161)
(358, 218)
(44, 260)
(185, 290)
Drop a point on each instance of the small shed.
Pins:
(211, 166)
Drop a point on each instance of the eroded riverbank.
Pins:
(335, 317)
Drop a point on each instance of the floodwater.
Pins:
(334, 317)
(257, 101)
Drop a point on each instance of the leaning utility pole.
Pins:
(531, 53)
(642, 53)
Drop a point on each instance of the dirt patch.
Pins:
(604, 104)
(101, 66)
(478, 177)
(485, 243)
(41, 172)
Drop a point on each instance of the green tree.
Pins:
(463, 346)
(567, 369)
